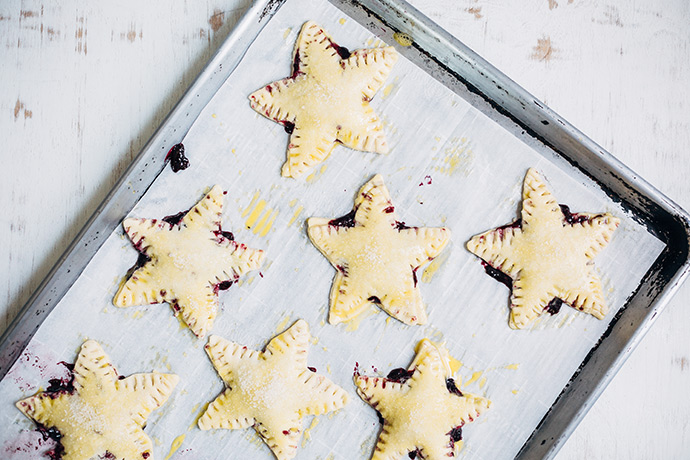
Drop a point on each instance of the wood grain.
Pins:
(85, 84)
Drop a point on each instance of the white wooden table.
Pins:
(84, 84)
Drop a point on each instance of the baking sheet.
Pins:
(449, 165)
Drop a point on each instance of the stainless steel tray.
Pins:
(487, 89)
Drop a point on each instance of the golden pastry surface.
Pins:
(421, 414)
(376, 257)
(547, 256)
(326, 100)
(188, 263)
(103, 413)
(270, 390)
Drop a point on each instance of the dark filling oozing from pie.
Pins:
(554, 306)
(178, 161)
(288, 126)
(222, 286)
(295, 65)
(573, 218)
(348, 220)
(224, 234)
(400, 375)
(498, 275)
(53, 433)
(175, 219)
(374, 299)
(401, 225)
(452, 387)
(57, 387)
(455, 436)
(343, 52)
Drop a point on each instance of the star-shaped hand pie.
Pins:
(376, 257)
(326, 100)
(270, 390)
(548, 255)
(423, 411)
(98, 413)
(188, 258)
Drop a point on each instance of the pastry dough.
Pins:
(548, 254)
(188, 263)
(104, 413)
(376, 257)
(270, 390)
(424, 413)
(326, 100)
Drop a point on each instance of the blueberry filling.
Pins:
(343, 52)
(313, 369)
(348, 220)
(455, 435)
(288, 126)
(414, 453)
(400, 375)
(452, 387)
(178, 161)
(142, 259)
(572, 218)
(175, 219)
(224, 234)
(295, 65)
(52, 433)
(554, 306)
(374, 299)
(57, 387)
(401, 225)
(498, 275)
(222, 286)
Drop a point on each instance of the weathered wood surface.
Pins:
(84, 84)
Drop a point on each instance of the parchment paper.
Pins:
(449, 165)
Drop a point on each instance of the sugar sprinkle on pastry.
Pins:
(326, 99)
(270, 390)
(548, 255)
(186, 262)
(376, 257)
(100, 413)
(422, 409)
